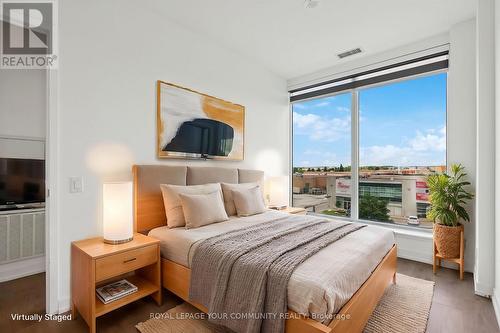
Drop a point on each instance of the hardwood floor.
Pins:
(454, 309)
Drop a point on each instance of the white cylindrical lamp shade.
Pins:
(276, 191)
(117, 214)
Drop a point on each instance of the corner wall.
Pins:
(111, 54)
(461, 122)
(484, 272)
(496, 296)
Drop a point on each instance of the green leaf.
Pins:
(448, 196)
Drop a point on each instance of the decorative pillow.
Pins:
(203, 209)
(248, 201)
(227, 189)
(172, 201)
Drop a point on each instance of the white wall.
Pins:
(461, 118)
(23, 100)
(485, 152)
(23, 103)
(496, 296)
(365, 63)
(461, 131)
(111, 54)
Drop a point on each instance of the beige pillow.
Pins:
(227, 189)
(203, 209)
(248, 201)
(172, 202)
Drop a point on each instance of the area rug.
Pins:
(404, 308)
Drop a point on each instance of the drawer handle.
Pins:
(129, 260)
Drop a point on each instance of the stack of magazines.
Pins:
(116, 290)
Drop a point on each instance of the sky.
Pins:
(401, 124)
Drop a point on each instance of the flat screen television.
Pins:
(22, 181)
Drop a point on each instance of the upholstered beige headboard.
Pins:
(149, 211)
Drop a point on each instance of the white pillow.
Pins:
(172, 201)
(227, 189)
(203, 209)
(248, 201)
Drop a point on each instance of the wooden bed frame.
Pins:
(149, 213)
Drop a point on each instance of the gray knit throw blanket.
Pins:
(241, 277)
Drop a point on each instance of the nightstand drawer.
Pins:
(124, 262)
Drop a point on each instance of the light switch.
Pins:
(75, 184)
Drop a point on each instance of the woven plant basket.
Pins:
(447, 240)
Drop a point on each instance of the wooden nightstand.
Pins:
(294, 210)
(94, 263)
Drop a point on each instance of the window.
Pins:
(322, 155)
(402, 139)
(388, 135)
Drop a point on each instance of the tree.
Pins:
(341, 168)
(298, 170)
(373, 208)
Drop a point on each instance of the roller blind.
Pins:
(422, 65)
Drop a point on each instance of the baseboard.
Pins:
(482, 290)
(64, 305)
(496, 305)
(414, 247)
(21, 268)
(417, 248)
(414, 256)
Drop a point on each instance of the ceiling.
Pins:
(291, 40)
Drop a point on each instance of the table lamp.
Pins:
(276, 195)
(117, 212)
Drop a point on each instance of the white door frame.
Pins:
(52, 213)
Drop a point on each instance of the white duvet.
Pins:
(322, 284)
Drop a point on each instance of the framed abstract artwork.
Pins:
(195, 125)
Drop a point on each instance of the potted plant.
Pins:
(448, 197)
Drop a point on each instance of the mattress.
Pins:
(319, 286)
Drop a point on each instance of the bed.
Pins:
(361, 264)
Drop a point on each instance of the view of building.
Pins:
(404, 191)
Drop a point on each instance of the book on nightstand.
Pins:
(116, 290)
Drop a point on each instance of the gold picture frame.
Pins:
(193, 125)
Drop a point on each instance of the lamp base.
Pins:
(120, 241)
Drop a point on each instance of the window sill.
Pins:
(398, 229)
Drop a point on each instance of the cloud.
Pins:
(306, 120)
(432, 141)
(319, 157)
(385, 155)
(423, 149)
(319, 128)
(315, 152)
